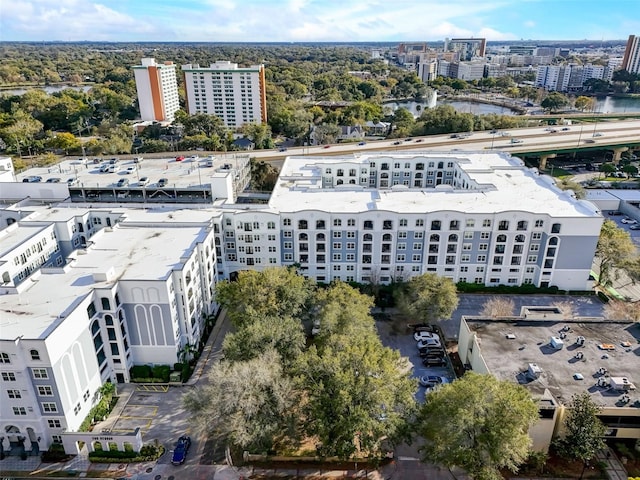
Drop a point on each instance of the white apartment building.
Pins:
(125, 299)
(104, 292)
(236, 95)
(570, 77)
(157, 88)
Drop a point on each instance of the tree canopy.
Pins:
(273, 292)
(478, 423)
(614, 249)
(584, 431)
(427, 298)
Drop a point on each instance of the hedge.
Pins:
(503, 289)
(148, 453)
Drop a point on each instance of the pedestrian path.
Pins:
(614, 468)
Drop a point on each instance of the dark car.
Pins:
(434, 362)
(432, 354)
(282, 149)
(180, 452)
(396, 143)
(163, 182)
(615, 213)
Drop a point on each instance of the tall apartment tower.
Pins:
(467, 48)
(631, 59)
(157, 87)
(237, 95)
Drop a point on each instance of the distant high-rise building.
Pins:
(631, 59)
(467, 48)
(236, 95)
(157, 88)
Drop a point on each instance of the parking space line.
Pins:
(154, 409)
(152, 388)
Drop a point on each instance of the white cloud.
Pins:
(530, 24)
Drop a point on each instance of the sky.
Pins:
(316, 20)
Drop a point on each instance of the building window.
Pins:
(416, 258)
(106, 304)
(522, 225)
(91, 310)
(555, 228)
(49, 407)
(286, 222)
(8, 376)
(503, 225)
(368, 225)
(454, 225)
(45, 391)
(19, 411)
(4, 357)
(436, 225)
(539, 224)
(14, 394)
(40, 373)
(54, 423)
(481, 258)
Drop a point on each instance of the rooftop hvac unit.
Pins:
(556, 343)
(534, 371)
(580, 340)
(602, 382)
(622, 383)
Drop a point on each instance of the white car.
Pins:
(143, 181)
(423, 335)
(429, 342)
(598, 134)
(194, 158)
(628, 221)
(130, 170)
(432, 380)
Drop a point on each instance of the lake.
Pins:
(461, 106)
(616, 104)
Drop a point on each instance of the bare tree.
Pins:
(498, 307)
(619, 310)
(567, 309)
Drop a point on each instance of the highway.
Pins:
(532, 140)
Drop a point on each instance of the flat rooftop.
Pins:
(14, 236)
(503, 180)
(508, 358)
(190, 172)
(134, 254)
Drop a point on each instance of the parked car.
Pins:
(113, 168)
(434, 362)
(615, 212)
(53, 180)
(628, 221)
(143, 181)
(181, 450)
(114, 160)
(163, 182)
(32, 179)
(282, 149)
(589, 140)
(72, 181)
(194, 158)
(362, 143)
(179, 158)
(396, 143)
(104, 168)
(327, 146)
(429, 342)
(408, 139)
(432, 380)
(131, 169)
(419, 140)
(565, 129)
(516, 140)
(634, 227)
(427, 353)
(417, 336)
(598, 134)
(123, 182)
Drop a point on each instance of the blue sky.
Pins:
(316, 20)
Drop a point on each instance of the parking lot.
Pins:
(635, 234)
(395, 333)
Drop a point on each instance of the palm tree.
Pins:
(185, 354)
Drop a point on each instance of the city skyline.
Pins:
(316, 20)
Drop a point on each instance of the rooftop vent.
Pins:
(556, 343)
(622, 383)
(511, 336)
(534, 371)
(104, 276)
(580, 340)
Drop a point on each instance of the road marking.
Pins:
(152, 388)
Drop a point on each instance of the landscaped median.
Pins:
(147, 453)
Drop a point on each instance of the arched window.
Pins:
(387, 237)
(453, 237)
(302, 224)
(520, 238)
(367, 237)
(303, 236)
(95, 327)
(320, 237)
(553, 241)
(35, 354)
(501, 238)
(339, 182)
(106, 304)
(434, 238)
(108, 320)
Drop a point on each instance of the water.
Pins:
(618, 105)
(461, 106)
(48, 89)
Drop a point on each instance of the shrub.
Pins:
(54, 454)
(161, 371)
(177, 367)
(140, 371)
(148, 453)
